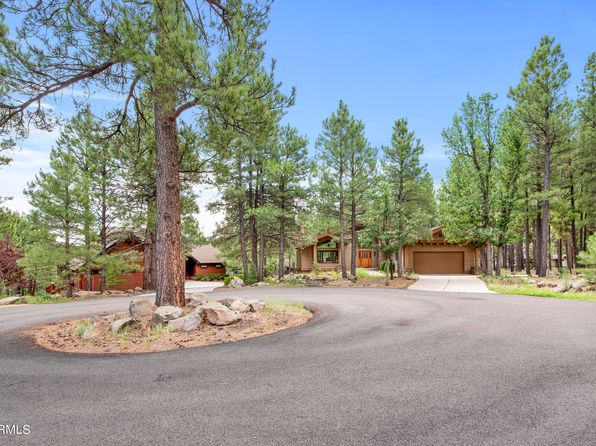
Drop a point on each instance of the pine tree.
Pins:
(412, 200)
(544, 110)
(467, 195)
(187, 56)
(57, 196)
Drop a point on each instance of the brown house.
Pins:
(204, 260)
(325, 252)
(128, 281)
(434, 256)
(439, 256)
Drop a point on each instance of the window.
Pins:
(328, 244)
(327, 256)
(204, 266)
(218, 265)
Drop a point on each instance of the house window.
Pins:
(204, 266)
(327, 256)
(218, 265)
(328, 244)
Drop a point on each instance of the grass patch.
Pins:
(84, 329)
(157, 331)
(44, 298)
(280, 307)
(362, 273)
(527, 290)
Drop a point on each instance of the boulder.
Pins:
(195, 299)
(11, 300)
(190, 322)
(140, 307)
(581, 283)
(218, 314)
(256, 305)
(236, 282)
(239, 306)
(119, 324)
(562, 287)
(138, 289)
(228, 301)
(261, 284)
(162, 315)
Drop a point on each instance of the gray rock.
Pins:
(162, 315)
(228, 301)
(195, 299)
(562, 287)
(256, 305)
(11, 300)
(218, 314)
(239, 306)
(236, 282)
(261, 284)
(119, 324)
(140, 307)
(190, 322)
(581, 283)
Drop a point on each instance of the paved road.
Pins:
(455, 283)
(373, 367)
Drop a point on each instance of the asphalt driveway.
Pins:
(453, 283)
(373, 367)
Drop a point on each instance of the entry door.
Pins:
(439, 262)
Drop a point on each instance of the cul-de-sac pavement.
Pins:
(374, 366)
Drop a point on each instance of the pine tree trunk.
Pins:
(354, 250)
(498, 263)
(170, 271)
(569, 249)
(261, 274)
(242, 238)
(400, 260)
(282, 249)
(488, 246)
(68, 275)
(538, 245)
(544, 232)
(103, 232)
(387, 269)
(560, 255)
(342, 246)
(149, 260)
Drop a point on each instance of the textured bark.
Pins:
(149, 260)
(354, 250)
(242, 237)
(282, 250)
(488, 247)
(170, 274)
(400, 262)
(544, 217)
(103, 231)
(498, 264)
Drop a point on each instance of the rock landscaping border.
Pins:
(146, 328)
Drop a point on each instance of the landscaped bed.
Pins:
(559, 287)
(146, 334)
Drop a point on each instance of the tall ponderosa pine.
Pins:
(345, 163)
(186, 54)
(57, 196)
(544, 110)
(413, 202)
(467, 191)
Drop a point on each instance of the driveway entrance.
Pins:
(464, 283)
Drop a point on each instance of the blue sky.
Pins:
(386, 60)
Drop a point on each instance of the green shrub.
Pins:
(316, 269)
(227, 280)
(210, 277)
(84, 329)
(44, 298)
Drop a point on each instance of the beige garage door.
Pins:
(439, 262)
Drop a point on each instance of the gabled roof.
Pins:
(206, 254)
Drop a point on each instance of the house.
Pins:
(325, 252)
(128, 281)
(204, 260)
(434, 256)
(439, 256)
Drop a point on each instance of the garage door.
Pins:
(439, 262)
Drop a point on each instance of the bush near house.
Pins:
(210, 277)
